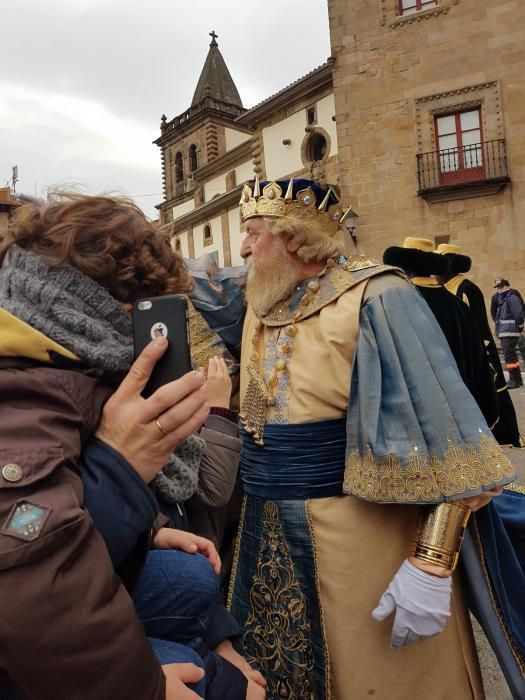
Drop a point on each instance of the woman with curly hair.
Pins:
(72, 420)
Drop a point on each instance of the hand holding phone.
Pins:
(129, 422)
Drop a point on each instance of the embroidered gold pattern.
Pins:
(515, 487)
(460, 469)
(277, 632)
(203, 341)
(338, 279)
(260, 392)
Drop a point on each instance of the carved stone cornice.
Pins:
(459, 91)
(177, 131)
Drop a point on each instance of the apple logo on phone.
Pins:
(159, 329)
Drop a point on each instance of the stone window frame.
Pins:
(312, 109)
(390, 12)
(306, 144)
(179, 166)
(485, 96)
(193, 157)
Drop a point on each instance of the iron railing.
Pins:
(451, 167)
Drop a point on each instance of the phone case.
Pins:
(167, 316)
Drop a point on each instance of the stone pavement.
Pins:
(495, 685)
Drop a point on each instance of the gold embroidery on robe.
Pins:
(386, 480)
(277, 631)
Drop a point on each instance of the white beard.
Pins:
(272, 282)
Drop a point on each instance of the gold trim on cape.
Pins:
(337, 280)
(426, 480)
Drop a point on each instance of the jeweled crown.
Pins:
(303, 206)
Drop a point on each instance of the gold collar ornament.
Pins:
(260, 394)
(272, 204)
(336, 279)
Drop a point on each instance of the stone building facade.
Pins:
(217, 145)
(430, 104)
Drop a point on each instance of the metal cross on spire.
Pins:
(213, 38)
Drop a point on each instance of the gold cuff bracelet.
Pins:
(440, 534)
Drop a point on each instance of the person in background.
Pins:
(506, 429)
(508, 313)
(424, 267)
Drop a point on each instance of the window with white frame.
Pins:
(459, 141)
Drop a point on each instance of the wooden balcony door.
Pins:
(459, 141)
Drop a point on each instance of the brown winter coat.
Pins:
(69, 630)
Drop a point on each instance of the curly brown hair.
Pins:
(107, 238)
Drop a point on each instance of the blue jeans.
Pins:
(176, 595)
(173, 653)
(179, 603)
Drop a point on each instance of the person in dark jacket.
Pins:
(69, 272)
(508, 313)
(506, 430)
(418, 259)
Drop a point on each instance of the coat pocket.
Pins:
(39, 504)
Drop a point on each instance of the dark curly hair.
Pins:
(107, 238)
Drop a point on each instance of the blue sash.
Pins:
(297, 461)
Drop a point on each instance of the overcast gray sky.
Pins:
(83, 83)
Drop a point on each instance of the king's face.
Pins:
(259, 242)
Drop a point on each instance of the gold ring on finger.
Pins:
(159, 426)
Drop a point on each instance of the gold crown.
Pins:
(271, 203)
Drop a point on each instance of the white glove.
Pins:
(421, 603)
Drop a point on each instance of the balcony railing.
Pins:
(465, 167)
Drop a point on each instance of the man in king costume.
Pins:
(363, 456)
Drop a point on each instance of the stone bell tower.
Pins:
(196, 137)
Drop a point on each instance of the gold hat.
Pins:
(444, 248)
(424, 244)
(272, 204)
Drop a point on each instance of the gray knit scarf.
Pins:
(67, 307)
(76, 312)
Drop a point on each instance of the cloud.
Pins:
(87, 80)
